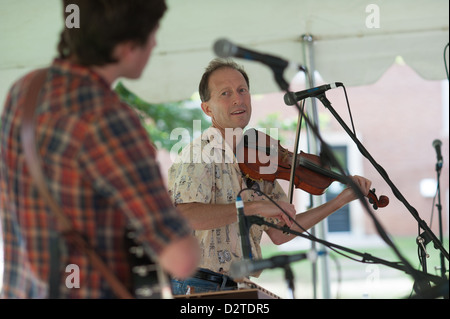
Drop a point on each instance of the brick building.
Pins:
(396, 119)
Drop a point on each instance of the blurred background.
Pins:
(392, 58)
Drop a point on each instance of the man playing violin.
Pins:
(205, 180)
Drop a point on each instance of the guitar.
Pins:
(149, 281)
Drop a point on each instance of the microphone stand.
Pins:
(383, 173)
(289, 277)
(278, 74)
(365, 256)
(245, 222)
(439, 207)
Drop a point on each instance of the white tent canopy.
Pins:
(349, 45)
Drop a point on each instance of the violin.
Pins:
(261, 157)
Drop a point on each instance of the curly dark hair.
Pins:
(106, 23)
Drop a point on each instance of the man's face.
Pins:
(230, 102)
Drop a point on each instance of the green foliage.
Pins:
(160, 119)
(287, 127)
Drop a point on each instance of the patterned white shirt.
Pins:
(206, 171)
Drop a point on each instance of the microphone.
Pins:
(437, 146)
(225, 49)
(290, 98)
(243, 229)
(244, 268)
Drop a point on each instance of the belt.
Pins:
(223, 280)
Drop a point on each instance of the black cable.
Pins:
(367, 258)
(445, 61)
(284, 86)
(310, 236)
(313, 238)
(261, 193)
(325, 148)
(438, 186)
(356, 189)
(349, 109)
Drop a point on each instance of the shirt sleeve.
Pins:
(278, 193)
(119, 159)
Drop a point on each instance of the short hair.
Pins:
(213, 66)
(106, 23)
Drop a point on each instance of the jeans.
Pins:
(197, 285)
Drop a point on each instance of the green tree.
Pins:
(284, 126)
(161, 119)
(287, 127)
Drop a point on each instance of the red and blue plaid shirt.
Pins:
(100, 167)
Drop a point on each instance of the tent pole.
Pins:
(320, 229)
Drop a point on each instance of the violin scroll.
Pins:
(383, 201)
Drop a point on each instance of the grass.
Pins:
(350, 279)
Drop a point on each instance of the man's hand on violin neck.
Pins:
(363, 183)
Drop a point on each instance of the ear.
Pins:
(206, 108)
(123, 50)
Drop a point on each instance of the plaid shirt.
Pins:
(100, 166)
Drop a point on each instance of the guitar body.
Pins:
(149, 281)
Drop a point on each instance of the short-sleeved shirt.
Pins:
(101, 169)
(206, 171)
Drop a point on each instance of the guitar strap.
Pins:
(33, 161)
